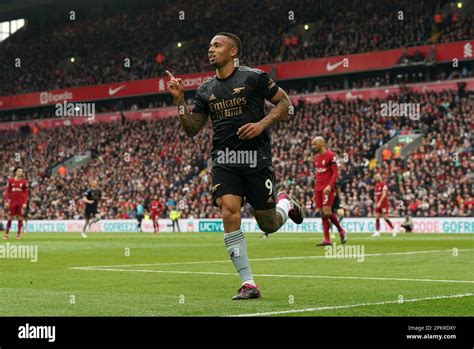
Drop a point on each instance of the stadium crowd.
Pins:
(101, 44)
(291, 87)
(133, 160)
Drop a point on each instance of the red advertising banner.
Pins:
(282, 71)
(381, 92)
(159, 113)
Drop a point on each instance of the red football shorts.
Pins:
(321, 199)
(15, 209)
(382, 209)
(155, 216)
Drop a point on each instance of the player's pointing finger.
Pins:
(171, 76)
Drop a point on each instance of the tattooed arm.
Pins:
(191, 122)
(279, 111)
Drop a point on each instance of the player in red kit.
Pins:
(16, 198)
(381, 204)
(324, 188)
(155, 208)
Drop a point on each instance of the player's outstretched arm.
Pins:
(191, 122)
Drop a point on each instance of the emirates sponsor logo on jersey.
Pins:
(227, 107)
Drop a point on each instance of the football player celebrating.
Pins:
(234, 99)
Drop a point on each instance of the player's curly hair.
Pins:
(235, 39)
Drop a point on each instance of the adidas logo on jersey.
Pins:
(212, 97)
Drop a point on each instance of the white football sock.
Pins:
(283, 207)
(250, 282)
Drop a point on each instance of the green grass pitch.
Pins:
(189, 274)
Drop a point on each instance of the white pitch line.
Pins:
(354, 305)
(275, 275)
(266, 259)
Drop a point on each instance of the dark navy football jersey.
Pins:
(94, 195)
(233, 102)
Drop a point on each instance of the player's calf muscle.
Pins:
(268, 221)
(267, 226)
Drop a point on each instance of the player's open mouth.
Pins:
(212, 58)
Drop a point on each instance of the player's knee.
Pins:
(229, 215)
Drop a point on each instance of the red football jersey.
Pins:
(17, 190)
(156, 206)
(326, 170)
(378, 190)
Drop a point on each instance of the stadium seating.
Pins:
(101, 43)
(133, 159)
